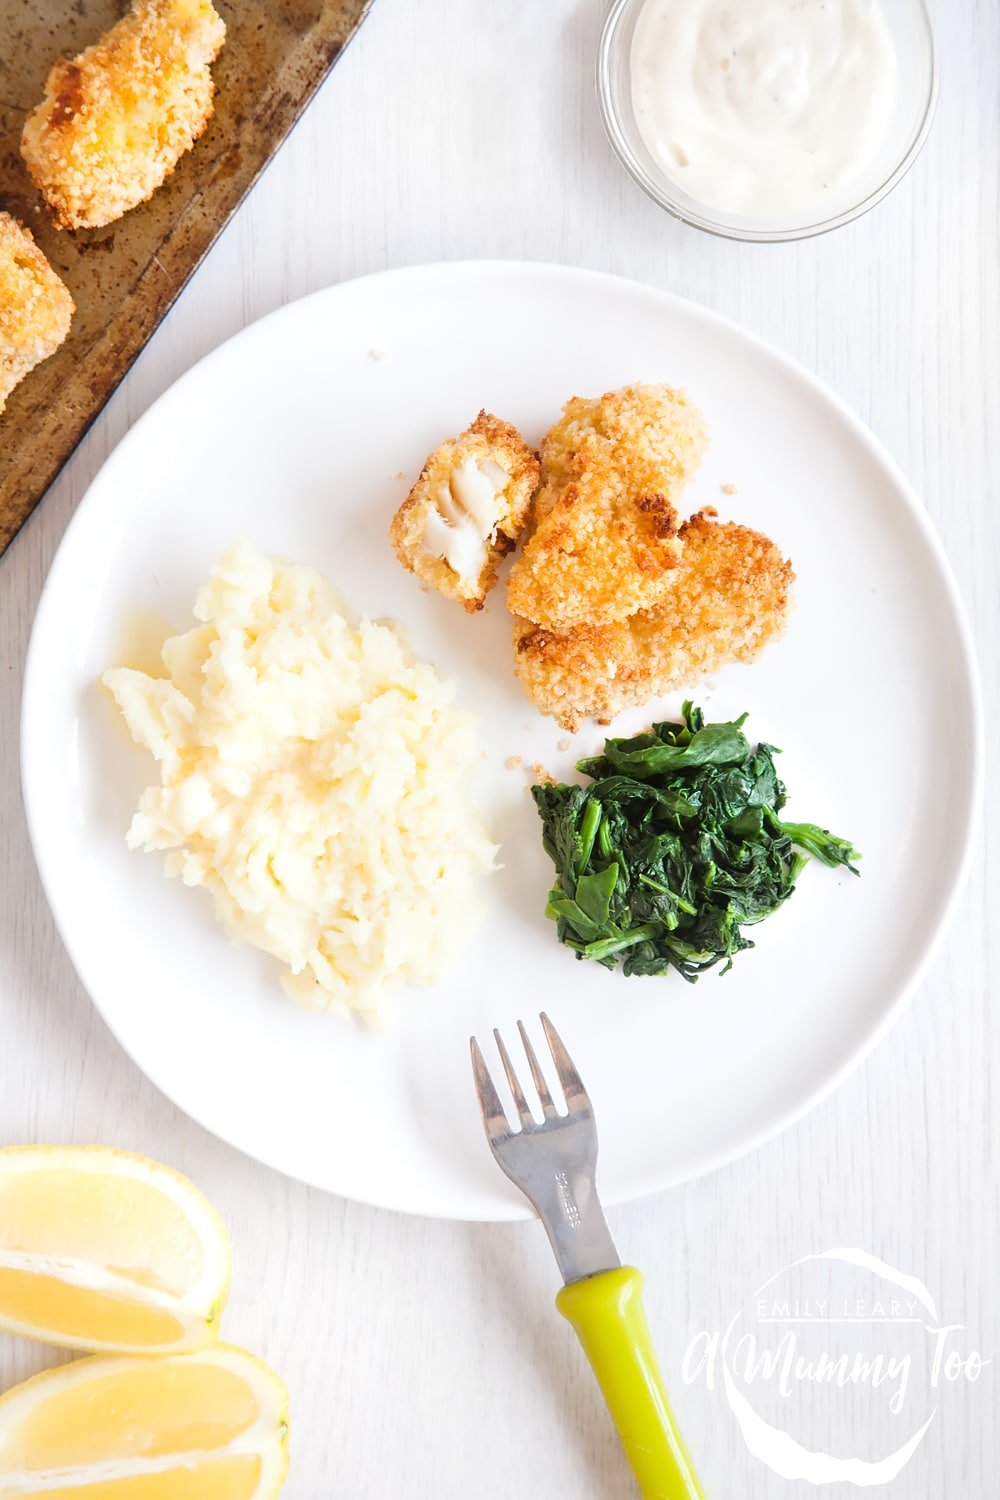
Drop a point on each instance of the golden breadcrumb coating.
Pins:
(35, 306)
(729, 596)
(605, 541)
(501, 458)
(116, 120)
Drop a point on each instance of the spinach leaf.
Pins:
(826, 846)
(714, 745)
(645, 756)
(594, 892)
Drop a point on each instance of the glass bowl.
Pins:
(917, 88)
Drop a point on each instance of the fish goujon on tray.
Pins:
(116, 120)
(35, 306)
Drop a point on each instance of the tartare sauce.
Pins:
(763, 106)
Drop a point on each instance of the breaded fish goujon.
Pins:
(605, 538)
(116, 120)
(35, 306)
(730, 596)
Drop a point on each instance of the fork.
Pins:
(554, 1165)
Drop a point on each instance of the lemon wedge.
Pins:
(103, 1250)
(206, 1426)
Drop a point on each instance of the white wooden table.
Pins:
(426, 1359)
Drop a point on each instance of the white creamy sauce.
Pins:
(763, 106)
(465, 517)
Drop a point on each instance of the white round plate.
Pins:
(295, 436)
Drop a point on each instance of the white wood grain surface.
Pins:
(426, 1359)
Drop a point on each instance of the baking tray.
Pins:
(125, 277)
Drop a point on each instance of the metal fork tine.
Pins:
(576, 1094)
(526, 1117)
(552, 1161)
(548, 1108)
(494, 1117)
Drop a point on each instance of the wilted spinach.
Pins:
(674, 848)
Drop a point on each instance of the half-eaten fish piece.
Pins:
(467, 510)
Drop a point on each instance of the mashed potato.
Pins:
(316, 779)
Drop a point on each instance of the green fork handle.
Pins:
(606, 1311)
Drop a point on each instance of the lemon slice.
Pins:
(205, 1426)
(103, 1250)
